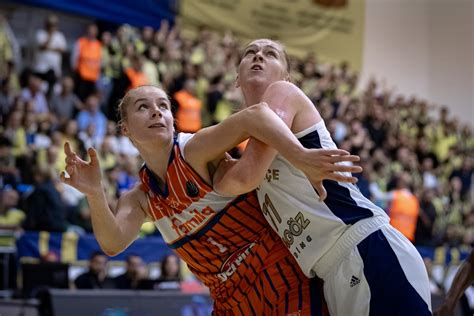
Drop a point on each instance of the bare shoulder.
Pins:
(282, 88)
(291, 104)
(285, 93)
(134, 199)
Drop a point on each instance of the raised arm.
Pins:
(293, 109)
(260, 122)
(114, 230)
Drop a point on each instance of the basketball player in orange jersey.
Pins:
(224, 240)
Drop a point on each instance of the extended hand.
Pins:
(322, 164)
(84, 176)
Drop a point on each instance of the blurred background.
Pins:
(393, 79)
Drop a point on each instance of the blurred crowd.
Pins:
(408, 146)
(134, 277)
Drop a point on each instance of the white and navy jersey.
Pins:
(290, 204)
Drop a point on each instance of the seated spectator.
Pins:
(9, 174)
(127, 176)
(65, 104)
(170, 277)
(91, 115)
(44, 207)
(150, 65)
(15, 133)
(33, 93)
(96, 277)
(10, 215)
(134, 274)
(6, 99)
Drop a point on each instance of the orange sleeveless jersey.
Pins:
(226, 242)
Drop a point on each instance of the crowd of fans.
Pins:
(70, 94)
(135, 277)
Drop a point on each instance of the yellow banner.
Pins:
(333, 29)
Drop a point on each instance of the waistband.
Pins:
(351, 237)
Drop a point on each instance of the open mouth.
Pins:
(257, 67)
(156, 125)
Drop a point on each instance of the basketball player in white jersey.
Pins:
(368, 267)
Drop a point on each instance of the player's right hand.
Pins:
(84, 176)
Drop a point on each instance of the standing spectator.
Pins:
(92, 115)
(86, 61)
(8, 47)
(404, 206)
(135, 272)
(135, 75)
(66, 104)
(96, 277)
(132, 77)
(33, 93)
(426, 219)
(188, 114)
(215, 93)
(50, 45)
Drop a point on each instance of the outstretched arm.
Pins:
(260, 122)
(114, 231)
(289, 103)
(463, 279)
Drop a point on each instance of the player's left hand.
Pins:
(324, 164)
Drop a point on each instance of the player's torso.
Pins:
(290, 204)
(223, 240)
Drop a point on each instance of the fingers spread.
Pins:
(342, 178)
(93, 154)
(335, 152)
(67, 148)
(344, 168)
(352, 158)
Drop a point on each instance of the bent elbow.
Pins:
(238, 186)
(111, 250)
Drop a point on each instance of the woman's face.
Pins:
(148, 116)
(263, 61)
(171, 267)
